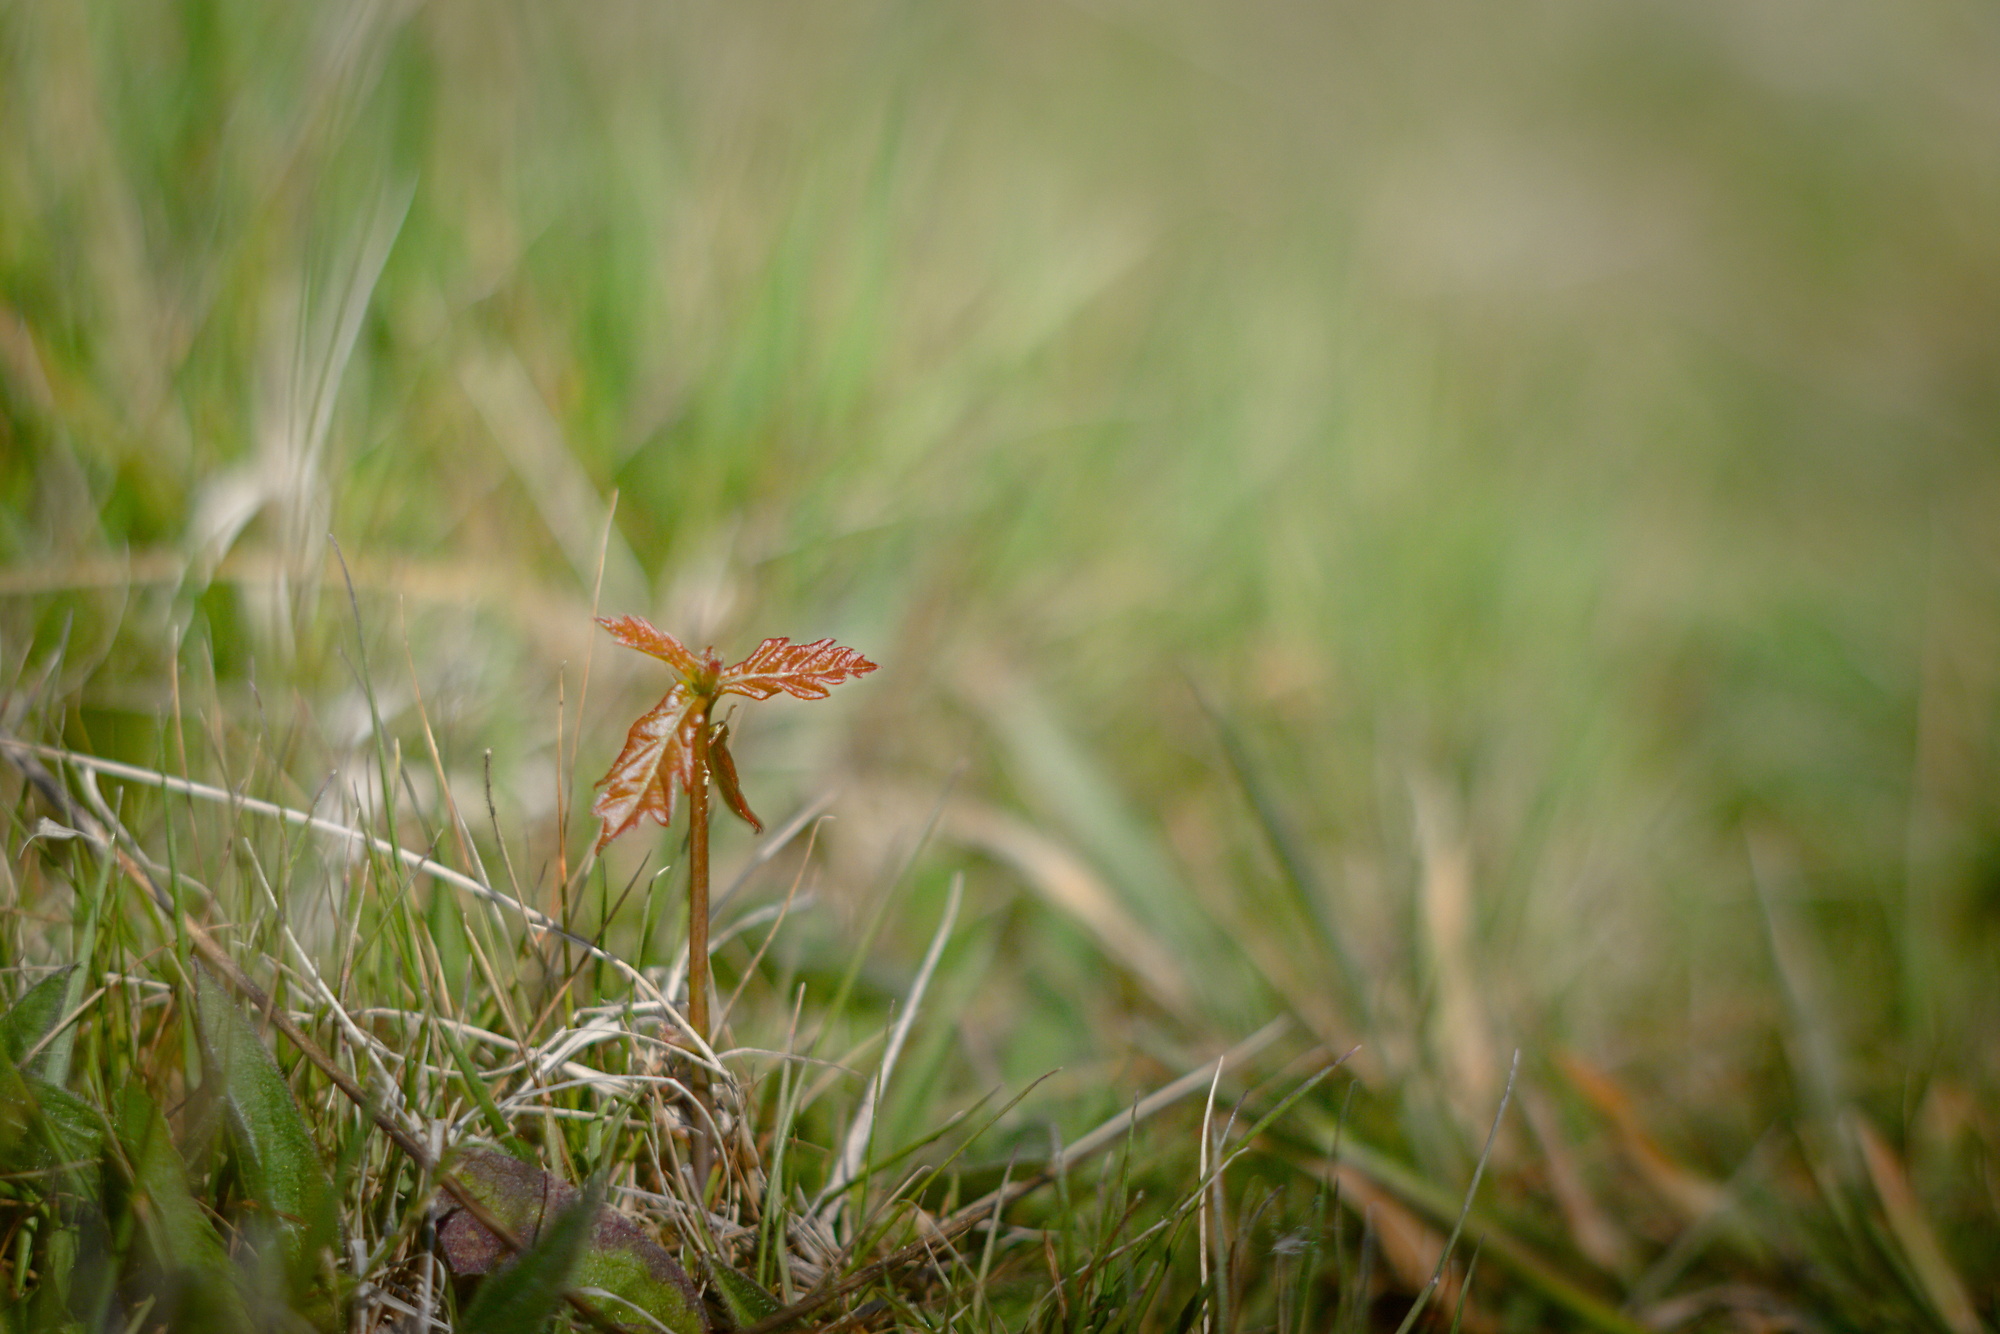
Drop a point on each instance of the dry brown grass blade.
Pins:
(1934, 1270)
(1061, 878)
(1411, 1246)
(1596, 1235)
(1459, 1032)
(1696, 1196)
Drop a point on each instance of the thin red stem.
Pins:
(704, 1151)
(698, 885)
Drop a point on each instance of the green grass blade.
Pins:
(1523, 1261)
(475, 1082)
(1290, 850)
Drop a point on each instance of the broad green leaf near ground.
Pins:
(614, 1255)
(743, 1297)
(284, 1177)
(27, 1025)
(180, 1258)
(522, 1295)
(45, 1130)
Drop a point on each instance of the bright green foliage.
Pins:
(44, 1127)
(618, 1259)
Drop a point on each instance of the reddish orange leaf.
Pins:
(723, 765)
(656, 764)
(804, 670)
(659, 759)
(634, 632)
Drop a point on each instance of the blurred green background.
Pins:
(1477, 526)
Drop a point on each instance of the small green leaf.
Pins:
(176, 1230)
(31, 1019)
(66, 1284)
(628, 1264)
(181, 1257)
(74, 1130)
(45, 1128)
(281, 1166)
(745, 1299)
(521, 1296)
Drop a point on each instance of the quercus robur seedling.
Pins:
(675, 747)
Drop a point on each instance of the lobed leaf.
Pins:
(656, 764)
(635, 632)
(804, 670)
(660, 757)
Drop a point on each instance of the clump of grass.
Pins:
(272, 1068)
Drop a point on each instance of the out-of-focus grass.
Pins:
(1557, 443)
